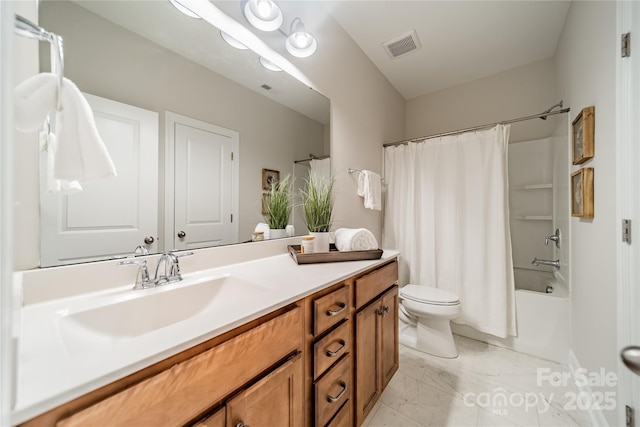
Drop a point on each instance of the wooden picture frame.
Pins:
(583, 129)
(265, 200)
(269, 177)
(582, 193)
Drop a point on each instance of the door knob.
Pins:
(149, 240)
(181, 234)
(631, 358)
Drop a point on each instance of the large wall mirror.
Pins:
(190, 122)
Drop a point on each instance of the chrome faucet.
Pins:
(168, 268)
(551, 263)
(141, 250)
(142, 278)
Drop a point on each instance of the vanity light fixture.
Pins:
(265, 15)
(233, 42)
(183, 9)
(300, 43)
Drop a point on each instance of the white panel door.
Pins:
(204, 184)
(110, 217)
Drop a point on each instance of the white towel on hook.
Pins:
(355, 239)
(361, 184)
(81, 154)
(49, 143)
(371, 189)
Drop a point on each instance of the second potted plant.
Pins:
(317, 204)
(277, 209)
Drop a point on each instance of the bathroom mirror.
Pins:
(148, 55)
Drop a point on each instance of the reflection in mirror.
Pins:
(189, 122)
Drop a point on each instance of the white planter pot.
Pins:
(277, 233)
(321, 241)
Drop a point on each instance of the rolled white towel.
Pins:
(355, 239)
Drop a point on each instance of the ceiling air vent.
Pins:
(402, 45)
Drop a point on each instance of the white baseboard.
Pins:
(596, 416)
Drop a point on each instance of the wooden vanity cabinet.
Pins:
(320, 362)
(329, 359)
(242, 371)
(217, 419)
(275, 400)
(376, 336)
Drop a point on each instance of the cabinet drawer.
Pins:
(343, 418)
(330, 348)
(179, 394)
(373, 284)
(332, 391)
(330, 309)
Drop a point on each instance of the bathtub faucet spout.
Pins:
(551, 263)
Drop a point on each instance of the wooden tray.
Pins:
(334, 255)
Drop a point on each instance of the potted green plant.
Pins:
(277, 207)
(317, 204)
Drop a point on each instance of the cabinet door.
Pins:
(367, 389)
(389, 336)
(276, 400)
(215, 420)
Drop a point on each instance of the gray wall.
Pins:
(519, 92)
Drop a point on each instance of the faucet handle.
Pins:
(142, 278)
(174, 267)
(554, 237)
(180, 255)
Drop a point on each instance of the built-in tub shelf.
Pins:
(533, 187)
(535, 217)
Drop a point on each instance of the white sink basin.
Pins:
(142, 311)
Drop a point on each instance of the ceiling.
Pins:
(461, 40)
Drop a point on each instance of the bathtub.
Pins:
(542, 318)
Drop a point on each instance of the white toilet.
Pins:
(425, 313)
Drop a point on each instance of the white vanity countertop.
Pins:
(53, 370)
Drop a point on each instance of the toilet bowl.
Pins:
(425, 313)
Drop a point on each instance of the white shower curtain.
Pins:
(447, 211)
(321, 168)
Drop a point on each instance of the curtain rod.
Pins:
(312, 158)
(542, 116)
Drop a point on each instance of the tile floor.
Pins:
(484, 386)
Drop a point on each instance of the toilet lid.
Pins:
(428, 294)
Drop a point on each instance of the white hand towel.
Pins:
(361, 184)
(355, 239)
(49, 143)
(81, 154)
(372, 190)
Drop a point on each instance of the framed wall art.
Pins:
(265, 201)
(583, 130)
(582, 193)
(269, 178)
